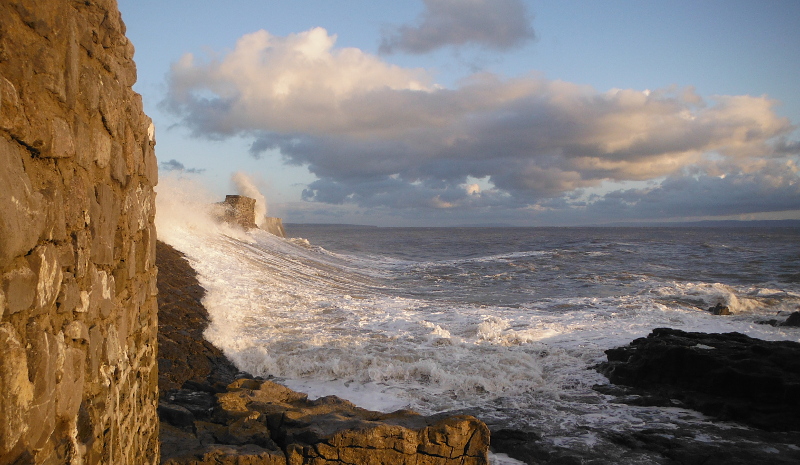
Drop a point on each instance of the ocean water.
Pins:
(501, 323)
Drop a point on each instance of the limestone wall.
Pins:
(78, 373)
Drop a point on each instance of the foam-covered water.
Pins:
(500, 323)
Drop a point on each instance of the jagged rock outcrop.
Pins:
(730, 376)
(274, 226)
(78, 308)
(262, 422)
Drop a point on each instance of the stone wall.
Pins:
(240, 210)
(78, 373)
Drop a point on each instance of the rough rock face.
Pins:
(274, 226)
(261, 422)
(78, 366)
(730, 376)
(240, 210)
(183, 354)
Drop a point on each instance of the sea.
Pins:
(506, 324)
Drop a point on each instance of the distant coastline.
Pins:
(672, 224)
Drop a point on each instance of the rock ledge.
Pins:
(729, 376)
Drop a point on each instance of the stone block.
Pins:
(102, 147)
(62, 141)
(69, 298)
(101, 293)
(22, 213)
(96, 342)
(90, 88)
(70, 390)
(55, 223)
(17, 390)
(11, 118)
(82, 246)
(44, 262)
(43, 358)
(76, 331)
(119, 168)
(19, 286)
(104, 211)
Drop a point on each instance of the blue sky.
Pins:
(450, 112)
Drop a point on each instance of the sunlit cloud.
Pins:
(379, 135)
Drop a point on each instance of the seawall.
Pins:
(78, 312)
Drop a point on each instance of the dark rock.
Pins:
(184, 355)
(730, 376)
(793, 320)
(525, 446)
(199, 403)
(175, 415)
(720, 309)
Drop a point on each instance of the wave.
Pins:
(344, 323)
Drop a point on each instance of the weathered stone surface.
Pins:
(19, 286)
(730, 376)
(17, 392)
(78, 369)
(22, 217)
(274, 226)
(62, 142)
(44, 262)
(326, 431)
(240, 210)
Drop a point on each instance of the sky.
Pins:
(479, 112)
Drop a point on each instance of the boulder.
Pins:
(730, 376)
(720, 309)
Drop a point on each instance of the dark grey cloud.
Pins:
(175, 165)
(773, 189)
(493, 24)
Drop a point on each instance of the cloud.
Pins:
(175, 165)
(775, 188)
(378, 135)
(493, 24)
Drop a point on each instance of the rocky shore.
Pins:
(212, 414)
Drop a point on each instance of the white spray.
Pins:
(244, 186)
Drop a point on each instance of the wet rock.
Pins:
(729, 376)
(185, 357)
(176, 415)
(793, 320)
(720, 309)
(262, 420)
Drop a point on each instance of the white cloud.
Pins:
(380, 135)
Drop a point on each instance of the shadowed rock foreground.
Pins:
(729, 376)
(209, 417)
